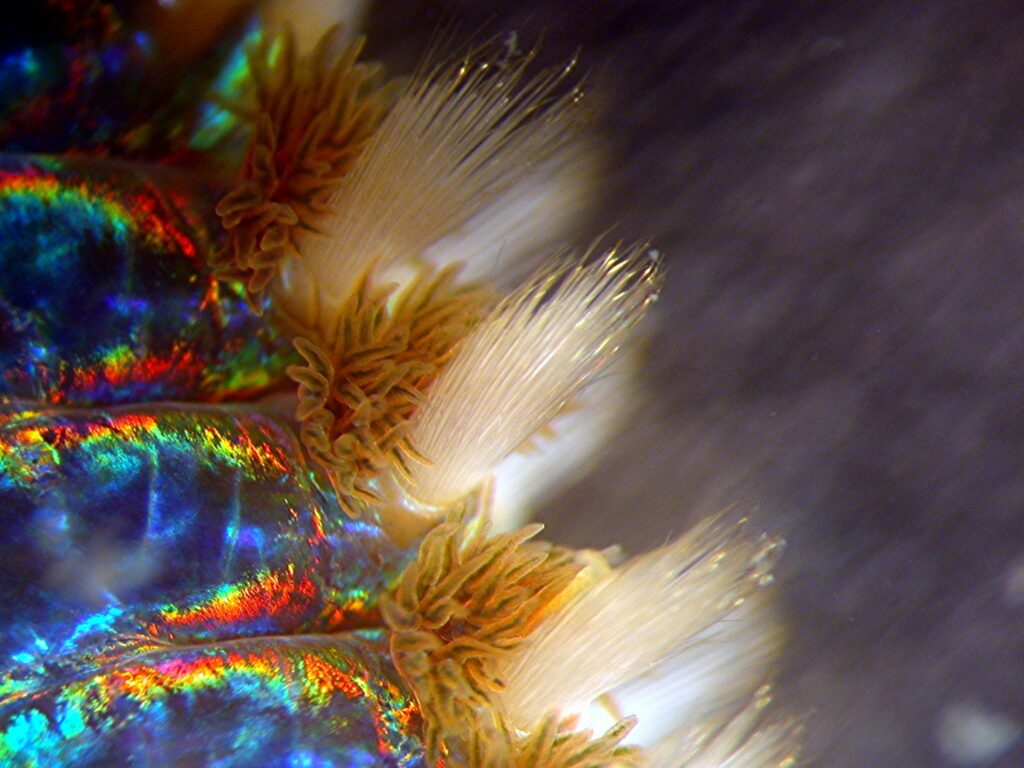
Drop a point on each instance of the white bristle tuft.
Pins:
(516, 370)
(709, 680)
(502, 243)
(647, 614)
(748, 740)
(452, 146)
(528, 478)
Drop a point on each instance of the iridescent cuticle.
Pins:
(122, 248)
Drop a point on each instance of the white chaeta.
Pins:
(520, 653)
(680, 637)
(453, 145)
(519, 367)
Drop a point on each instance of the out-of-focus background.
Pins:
(838, 188)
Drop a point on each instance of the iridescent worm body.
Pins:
(178, 587)
(156, 561)
(123, 246)
(192, 575)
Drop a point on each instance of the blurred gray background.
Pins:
(838, 188)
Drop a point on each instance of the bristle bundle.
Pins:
(451, 146)
(649, 611)
(522, 364)
(364, 378)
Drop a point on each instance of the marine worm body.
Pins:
(252, 411)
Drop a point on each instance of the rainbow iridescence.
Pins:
(176, 586)
(134, 530)
(207, 522)
(315, 700)
(104, 292)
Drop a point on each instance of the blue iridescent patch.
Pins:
(177, 586)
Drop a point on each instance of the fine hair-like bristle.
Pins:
(569, 445)
(751, 739)
(653, 609)
(507, 241)
(452, 145)
(514, 372)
